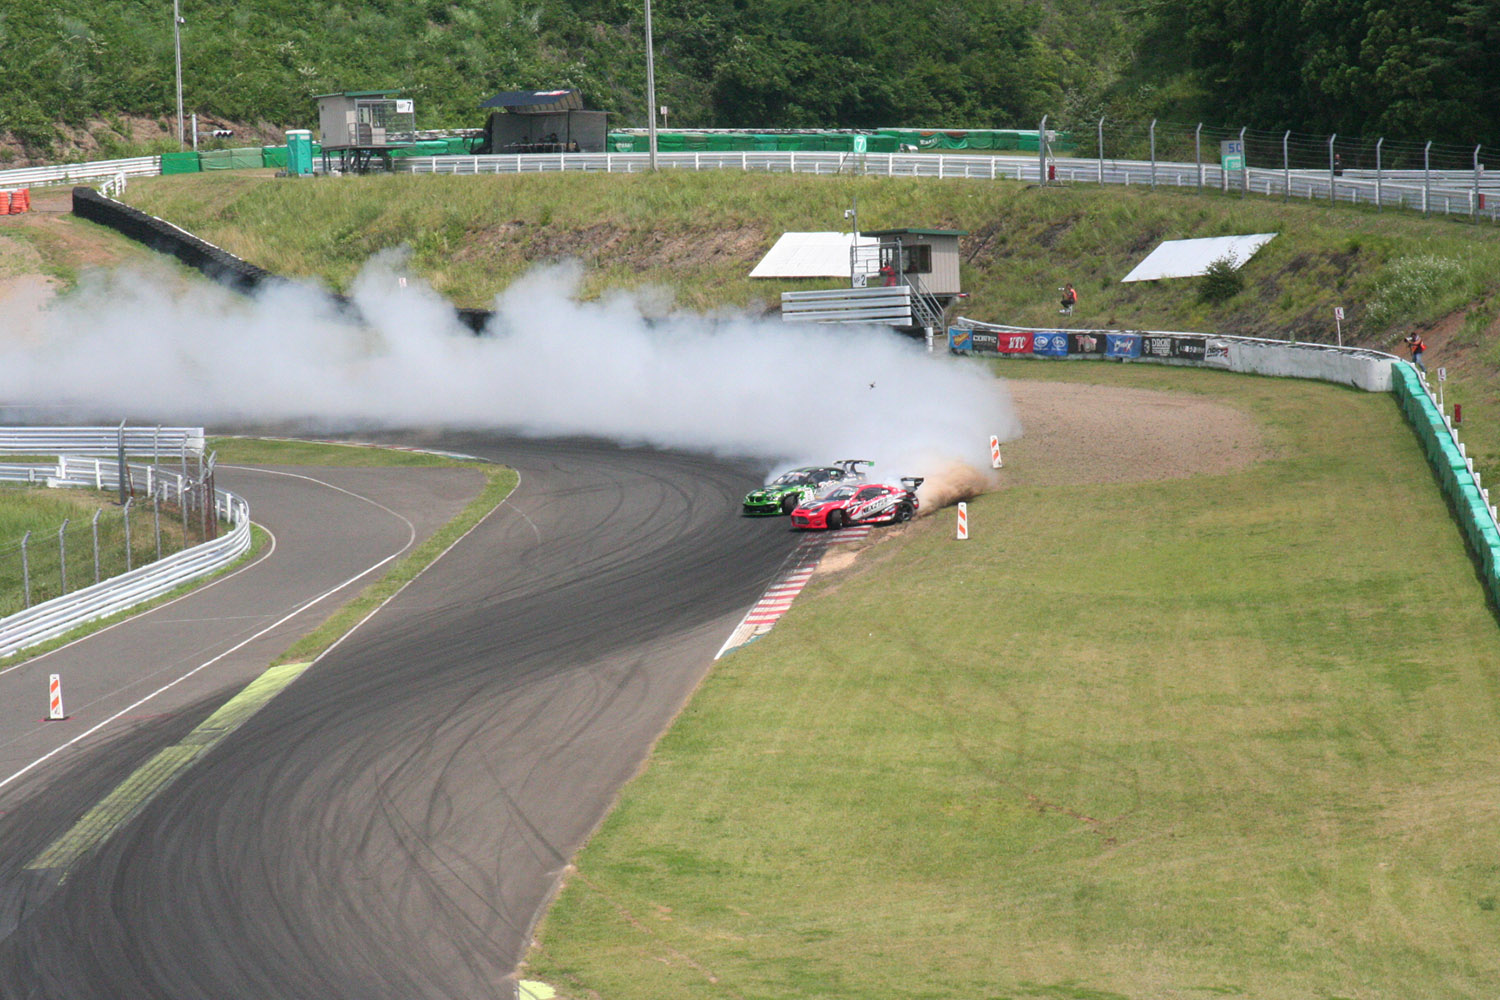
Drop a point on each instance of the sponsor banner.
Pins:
(1050, 345)
(1122, 345)
(985, 341)
(1156, 347)
(959, 339)
(1085, 343)
(1015, 343)
(1216, 352)
(1190, 348)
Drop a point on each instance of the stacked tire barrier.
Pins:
(163, 237)
(1454, 470)
(214, 262)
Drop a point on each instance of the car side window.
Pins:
(868, 493)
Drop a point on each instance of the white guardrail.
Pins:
(72, 173)
(1441, 191)
(62, 614)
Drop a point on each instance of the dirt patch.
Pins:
(1077, 434)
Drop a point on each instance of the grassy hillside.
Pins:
(699, 235)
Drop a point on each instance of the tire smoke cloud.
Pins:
(152, 347)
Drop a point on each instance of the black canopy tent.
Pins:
(542, 121)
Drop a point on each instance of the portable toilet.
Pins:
(299, 154)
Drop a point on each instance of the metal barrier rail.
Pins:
(69, 173)
(1446, 192)
(154, 441)
(62, 614)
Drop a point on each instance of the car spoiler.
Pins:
(851, 465)
(912, 482)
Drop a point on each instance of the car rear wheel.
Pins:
(836, 519)
(789, 503)
(903, 513)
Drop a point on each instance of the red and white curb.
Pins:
(778, 597)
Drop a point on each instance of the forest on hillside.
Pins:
(1418, 68)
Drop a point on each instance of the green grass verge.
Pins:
(1229, 735)
(274, 451)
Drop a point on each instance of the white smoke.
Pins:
(154, 348)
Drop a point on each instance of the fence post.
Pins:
(120, 456)
(1426, 177)
(1379, 196)
(1041, 150)
(129, 555)
(62, 556)
(26, 568)
(1198, 154)
(156, 522)
(1244, 163)
(182, 505)
(1286, 167)
(1332, 189)
(1101, 149)
(1152, 133)
(96, 543)
(1474, 204)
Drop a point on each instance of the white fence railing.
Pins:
(158, 442)
(1444, 192)
(72, 173)
(52, 618)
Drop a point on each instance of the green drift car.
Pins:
(796, 486)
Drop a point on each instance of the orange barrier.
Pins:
(4, 202)
(20, 201)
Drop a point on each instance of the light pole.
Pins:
(650, 88)
(177, 48)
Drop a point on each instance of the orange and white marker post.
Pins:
(963, 521)
(54, 698)
(995, 460)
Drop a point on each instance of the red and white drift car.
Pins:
(870, 503)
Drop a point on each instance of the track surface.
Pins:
(392, 825)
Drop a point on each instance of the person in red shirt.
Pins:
(1069, 299)
(1415, 344)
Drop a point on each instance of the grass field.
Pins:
(1224, 736)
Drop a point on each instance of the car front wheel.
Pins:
(836, 520)
(789, 503)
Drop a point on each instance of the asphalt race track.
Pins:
(395, 821)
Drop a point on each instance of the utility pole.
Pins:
(650, 87)
(177, 48)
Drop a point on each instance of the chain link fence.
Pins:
(165, 512)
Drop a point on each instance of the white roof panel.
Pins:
(1190, 258)
(809, 255)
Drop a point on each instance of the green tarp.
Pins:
(179, 163)
(231, 159)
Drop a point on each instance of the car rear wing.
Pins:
(851, 465)
(912, 482)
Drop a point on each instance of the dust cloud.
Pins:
(149, 348)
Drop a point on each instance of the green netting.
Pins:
(273, 156)
(462, 145)
(231, 159)
(179, 163)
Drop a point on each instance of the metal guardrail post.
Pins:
(1426, 178)
(62, 555)
(156, 522)
(1152, 133)
(1198, 154)
(1101, 149)
(1286, 167)
(1245, 163)
(1041, 148)
(1332, 189)
(1379, 195)
(1474, 203)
